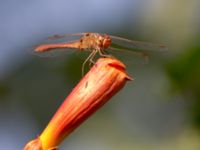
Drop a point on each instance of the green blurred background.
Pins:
(159, 110)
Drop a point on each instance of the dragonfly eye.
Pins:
(106, 41)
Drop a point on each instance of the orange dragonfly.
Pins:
(100, 44)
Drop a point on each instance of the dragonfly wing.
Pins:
(66, 36)
(128, 56)
(137, 53)
(119, 42)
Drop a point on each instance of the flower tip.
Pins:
(34, 145)
(129, 78)
(119, 66)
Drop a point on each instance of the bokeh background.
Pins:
(159, 110)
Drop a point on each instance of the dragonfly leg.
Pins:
(89, 58)
(104, 54)
(92, 57)
(92, 62)
(138, 53)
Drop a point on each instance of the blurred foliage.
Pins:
(4, 90)
(184, 73)
(72, 68)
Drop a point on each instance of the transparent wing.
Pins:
(128, 56)
(122, 43)
(66, 36)
(57, 39)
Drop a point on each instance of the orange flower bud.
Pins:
(103, 80)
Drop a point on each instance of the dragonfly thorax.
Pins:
(96, 41)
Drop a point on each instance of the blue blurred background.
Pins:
(159, 110)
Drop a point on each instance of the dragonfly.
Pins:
(99, 43)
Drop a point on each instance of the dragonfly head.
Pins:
(106, 41)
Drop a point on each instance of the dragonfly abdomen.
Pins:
(48, 47)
